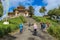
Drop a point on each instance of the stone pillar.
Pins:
(26, 14)
(16, 13)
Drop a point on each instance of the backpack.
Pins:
(43, 25)
(21, 26)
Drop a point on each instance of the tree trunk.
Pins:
(44, 14)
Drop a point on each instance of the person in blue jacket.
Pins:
(21, 27)
(43, 26)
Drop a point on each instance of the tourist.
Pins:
(35, 29)
(43, 27)
(48, 24)
(29, 24)
(21, 27)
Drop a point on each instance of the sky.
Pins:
(37, 4)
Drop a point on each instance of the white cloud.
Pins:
(37, 13)
(51, 4)
(5, 6)
(23, 2)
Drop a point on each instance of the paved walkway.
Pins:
(28, 33)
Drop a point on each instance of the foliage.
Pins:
(54, 28)
(42, 10)
(1, 9)
(55, 11)
(13, 25)
(54, 31)
(31, 11)
(23, 19)
(54, 14)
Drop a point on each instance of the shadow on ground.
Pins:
(31, 38)
(30, 30)
(42, 35)
(8, 37)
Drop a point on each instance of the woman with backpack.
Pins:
(21, 27)
(43, 26)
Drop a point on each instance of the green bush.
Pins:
(12, 26)
(54, 28)
(22, 19)
(1, 9)
(55, 31)
(1, 32)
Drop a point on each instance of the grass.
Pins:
(12, 26)
(54, 28)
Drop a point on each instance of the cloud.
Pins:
(5, 4)
(15, 3)
(22, 2)
(26, 3)
(37, 13)
(51, 4)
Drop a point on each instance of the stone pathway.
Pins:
(28, 33)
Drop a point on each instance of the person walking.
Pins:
(43, 26)
(21, 27)
(35, 29)
(29, 24)
(48, 24)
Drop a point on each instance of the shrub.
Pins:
(55, 31)
(1, 32)
(22, 19)
(54, 28)
(12, 26)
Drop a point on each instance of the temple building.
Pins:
(19, 11)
